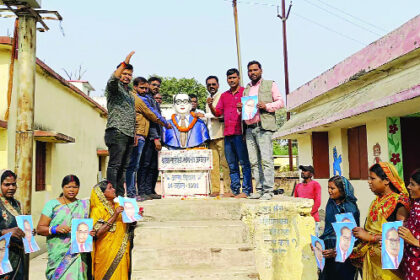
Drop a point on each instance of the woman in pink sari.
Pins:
(410, 232)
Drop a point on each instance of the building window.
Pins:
(358, 158)
(320, 155)
(40, 165)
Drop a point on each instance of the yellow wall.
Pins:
(3, 148)
(58, 108)
(4, 77)
(305, 149)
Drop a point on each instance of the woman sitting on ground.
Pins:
(410, 232)
(10, 208)
(391, 204)
(55, 224)
(342, 200)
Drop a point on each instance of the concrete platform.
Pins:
(211, 239)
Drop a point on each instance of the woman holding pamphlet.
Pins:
(55, 223)
(391, 204)
(9, 209)
(410, 232)
(111, 249)
(342, 200)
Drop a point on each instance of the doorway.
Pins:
(410, 135)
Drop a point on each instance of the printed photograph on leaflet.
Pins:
(131, 209)
(318, 246)
(249, 108)
(392, 245)
(81, 240)
(345, 240)
(24, 222)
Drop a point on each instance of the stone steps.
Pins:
(201, 274)
(191, 232)
(189, 257)
(193, 239)
(191, 210)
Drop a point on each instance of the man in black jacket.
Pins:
(148, 171)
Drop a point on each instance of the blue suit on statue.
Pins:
(195, 137)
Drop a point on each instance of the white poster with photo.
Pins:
(345, 240)
(24, 222)
(392, 245)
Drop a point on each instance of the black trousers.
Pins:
(119, 147)
(148, 171)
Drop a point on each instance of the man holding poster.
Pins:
(260, 129)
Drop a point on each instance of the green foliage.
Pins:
(282, 150)
(171, 86)
(281, 117)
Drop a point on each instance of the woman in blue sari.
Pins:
(55, 224)
(342, 200)
(9, 209)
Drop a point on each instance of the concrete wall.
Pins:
(280, 231)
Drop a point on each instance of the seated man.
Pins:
(188, 131)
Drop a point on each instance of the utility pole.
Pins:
(284, 18)
(28, 17)
(28, 14)
(25, 109)
(238, 43)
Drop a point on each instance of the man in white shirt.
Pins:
(217, 142)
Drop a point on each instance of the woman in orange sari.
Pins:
(391, 204)
(111, 249)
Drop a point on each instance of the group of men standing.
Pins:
(133, 133)
(244, 143)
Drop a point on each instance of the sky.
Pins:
(196, 38)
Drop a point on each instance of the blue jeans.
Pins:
(133, 167)
(236, 151)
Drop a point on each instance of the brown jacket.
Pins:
(143, 116)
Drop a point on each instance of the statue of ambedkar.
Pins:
(188, 130)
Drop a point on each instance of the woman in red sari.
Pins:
(410, 232)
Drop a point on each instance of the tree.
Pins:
(171, 86)
(76, 75)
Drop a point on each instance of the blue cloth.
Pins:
(348, 205)
(195, 137)
(335, 270)
(236, 152)
(133, 167)
(154, 129)
(153, 106)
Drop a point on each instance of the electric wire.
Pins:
(352, 16)
(305, 18)
(340, 17)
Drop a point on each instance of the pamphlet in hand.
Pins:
(131, 209)
(318, 246)
(81, 240)
(24, 222)
(392, 245)
(345, 240)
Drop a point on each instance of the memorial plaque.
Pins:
(185, 183)
(199, 159)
